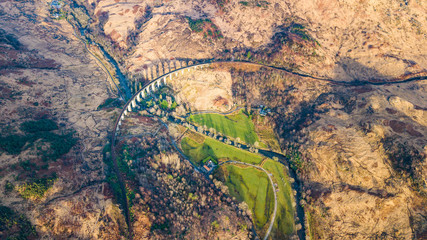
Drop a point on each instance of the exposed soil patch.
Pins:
(391, 111)
(221, 102)
(397, 126)
(410, 129)
(401, 127)
(204, 90)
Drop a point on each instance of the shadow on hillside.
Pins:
(352, 70)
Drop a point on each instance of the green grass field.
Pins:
(253, 187)
(248, 184)
(219, 151)
(235, 125)
(284, 223)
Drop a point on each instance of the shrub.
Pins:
(197, 25)
(35, 190)
(8, 187)
(215, 224)
(12, 144)
(164, 105)
(41, 125)
(205, 26)
(14, 226)
(109, 103)
(59, 144)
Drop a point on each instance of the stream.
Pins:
(120, 76)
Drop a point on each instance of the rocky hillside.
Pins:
(345, 40)
(360, 152)
(359, 149)
(51, 136)
(55, 176)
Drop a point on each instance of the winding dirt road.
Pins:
(273, 218)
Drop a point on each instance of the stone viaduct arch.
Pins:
(148, 89)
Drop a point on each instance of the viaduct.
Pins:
(145, 91)
(150, 88)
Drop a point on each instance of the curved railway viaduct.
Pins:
(156, 83)
(145, 91)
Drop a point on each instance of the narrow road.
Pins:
(273, 218)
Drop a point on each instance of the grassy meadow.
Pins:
(284, 223)
(219, 151)
(247, 184)
(253, 187)
(235, 125)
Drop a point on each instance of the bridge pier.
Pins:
(152, 72)
(157, 70)
(125, 113)
(146, 73)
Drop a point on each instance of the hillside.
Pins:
(337, 89)
(364, 40)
